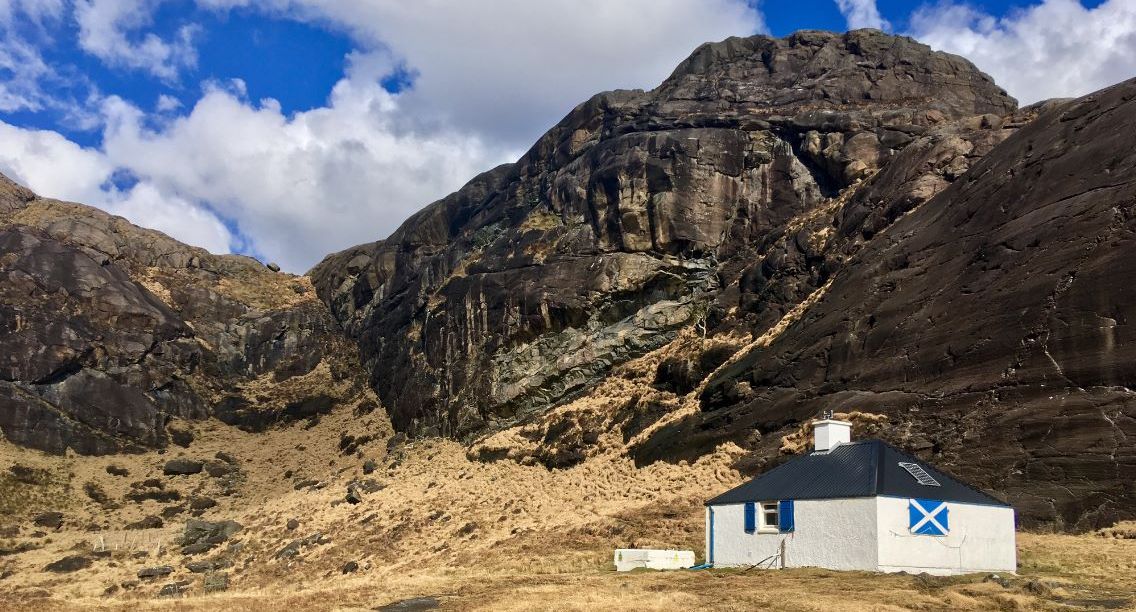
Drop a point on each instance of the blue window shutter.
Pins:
(785, 516)
(928, 517)
(750, 517)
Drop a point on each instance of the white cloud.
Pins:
(48, 163)
(167, 104)
(109, 30)
(862, 14)
(21, 21)
(147, 206)
(1057, 48)
(298, 186)
(55, 167)
(38, 11)
(509, 69)
(490, 77)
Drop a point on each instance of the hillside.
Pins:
(572, 352)
(810, 206)
(115, 334)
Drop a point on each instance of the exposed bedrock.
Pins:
(995, 320)
(638, 214)
(108, 331)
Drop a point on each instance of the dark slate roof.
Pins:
(865, 468)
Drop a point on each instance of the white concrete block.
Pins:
(627, 559)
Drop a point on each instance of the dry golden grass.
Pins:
(504, 535)
(479, 536)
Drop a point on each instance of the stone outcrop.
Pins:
(108, 332)
(625, 221)
(995, 320)
(825, 221)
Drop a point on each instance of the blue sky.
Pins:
(286, 129)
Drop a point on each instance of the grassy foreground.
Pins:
(429, 521)
(1057, 573)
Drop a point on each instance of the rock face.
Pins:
(849, 222)
(997, 319)
(628, 219)
(109, 331)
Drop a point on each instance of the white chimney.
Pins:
(830, 433)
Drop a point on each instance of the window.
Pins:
(769, 514)
(769, 517)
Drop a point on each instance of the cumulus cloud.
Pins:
(298, 186)
(55, 167)
(488, 78)
(167, 104)
(22, 22)
(862, 14)
(111, 31)
(1057, 48)
(508, 69)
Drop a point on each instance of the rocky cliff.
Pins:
(890, 232)
(110, 333)
(641, 213)
(849, 222)
(996, 319)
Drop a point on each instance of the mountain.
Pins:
(633, 217)
(995, 320)
(111, 334)
(851, 222)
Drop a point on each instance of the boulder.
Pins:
(155, 572)
(218, 469)
(181, 437)
(182, 467)
(149, 522)
(294, 547)
(174, 589)
(206, 532)
(354, 493)
(70, 563)
(51, 520)
(201, 503)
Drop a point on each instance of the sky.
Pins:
(288, 129)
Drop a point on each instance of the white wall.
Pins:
(980, 539)
(832, 533)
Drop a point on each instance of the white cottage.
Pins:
(860, 506)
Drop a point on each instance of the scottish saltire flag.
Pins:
(928, 517)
